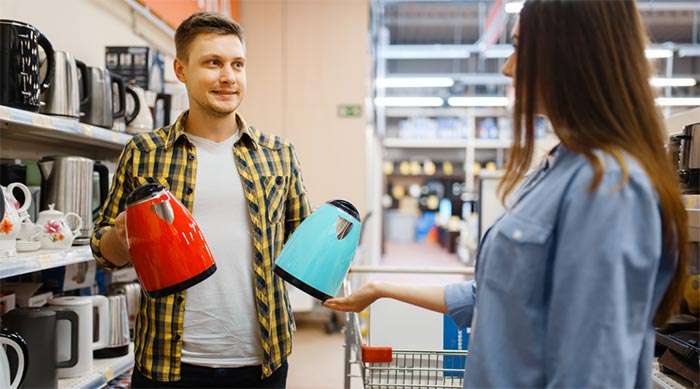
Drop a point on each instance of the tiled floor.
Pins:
(317, 360)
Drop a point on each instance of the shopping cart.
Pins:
(388, 368)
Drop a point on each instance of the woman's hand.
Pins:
(358, 301)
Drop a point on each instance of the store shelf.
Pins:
(426, 176)
(426, 143)
(43, 259)
(491, 143)
(401, 112)
(24, 125)
(103, 371)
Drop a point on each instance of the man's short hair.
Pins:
(203, 23)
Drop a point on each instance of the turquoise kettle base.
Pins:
(301, 284)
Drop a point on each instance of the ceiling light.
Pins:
(514, 7)
(658, 53)
(678, 101)
(415, 82)
(661, 81)
(408, 101)
(478, 101)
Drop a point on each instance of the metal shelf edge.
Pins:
(58, 127)
(43, 259)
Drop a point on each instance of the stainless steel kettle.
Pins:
(99, 108)
(118, 336)
(67, 182)
(63, 98)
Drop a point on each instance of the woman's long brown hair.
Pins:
(583, 63)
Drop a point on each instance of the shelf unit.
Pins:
(103, 371)
(31, 135)
(31, 262)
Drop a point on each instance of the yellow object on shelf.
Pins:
(491, 166)
(405, 168)
(447, 168)
(398, 192)
(476, 168)
(388, 168)
(415, 168)
(429, 167)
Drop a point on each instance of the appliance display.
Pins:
(162, 234)
(99, 109)
(21, 84)
(69, 87)
(67, 182)
(39, 328)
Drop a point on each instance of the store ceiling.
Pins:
(449, 22)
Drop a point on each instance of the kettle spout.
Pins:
(45, 167)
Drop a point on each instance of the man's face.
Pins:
(214, 73)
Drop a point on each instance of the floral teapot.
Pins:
(56, 232)
(11, 216)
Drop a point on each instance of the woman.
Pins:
(570, 281)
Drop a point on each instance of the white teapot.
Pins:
(11, 215)
(56, 233)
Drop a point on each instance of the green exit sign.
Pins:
(350, 110)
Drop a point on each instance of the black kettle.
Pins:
(20, 84)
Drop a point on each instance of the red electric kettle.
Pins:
(166, 245)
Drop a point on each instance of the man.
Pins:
(244, 189)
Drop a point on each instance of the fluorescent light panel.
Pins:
(478, 101)
(658, 53)
(678, 101)
(678, 81)
(415, 82)
(514, 7)
(409, 101)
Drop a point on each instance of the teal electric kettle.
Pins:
(317, 256)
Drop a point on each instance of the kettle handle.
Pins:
(101, 321)
(48, 49)
(117, 79)
(15, 341)
(137, 106)
(76, 230)
(104, 185)
(72, 318)
(85, 85)
(27, 197)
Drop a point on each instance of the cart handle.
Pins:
(376, 354)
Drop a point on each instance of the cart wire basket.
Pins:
(383, 367)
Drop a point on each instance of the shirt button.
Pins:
(180, 299)
(190, 157)
(188, 190)
(517, 235)
(177, 336)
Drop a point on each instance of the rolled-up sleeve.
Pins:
(460, 299)
(602, 283)
(115, 203)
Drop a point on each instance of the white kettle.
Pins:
(11, 216)
(11, 339)
(138, 120)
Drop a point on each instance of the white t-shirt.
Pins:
(221, 326)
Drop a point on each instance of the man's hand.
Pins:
(114, 243)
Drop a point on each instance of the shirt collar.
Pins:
(177, 131)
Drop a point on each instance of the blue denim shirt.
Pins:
(568, 282)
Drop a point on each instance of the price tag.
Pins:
(86, 130)
(45, 260)
(108, 374)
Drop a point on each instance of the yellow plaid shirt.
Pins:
(277, 203)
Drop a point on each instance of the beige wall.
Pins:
(305, 57)
(85, 27)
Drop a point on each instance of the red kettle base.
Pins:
(301, 284)
(179, 287)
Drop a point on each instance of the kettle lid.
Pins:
(347, 207)
(144, 192)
